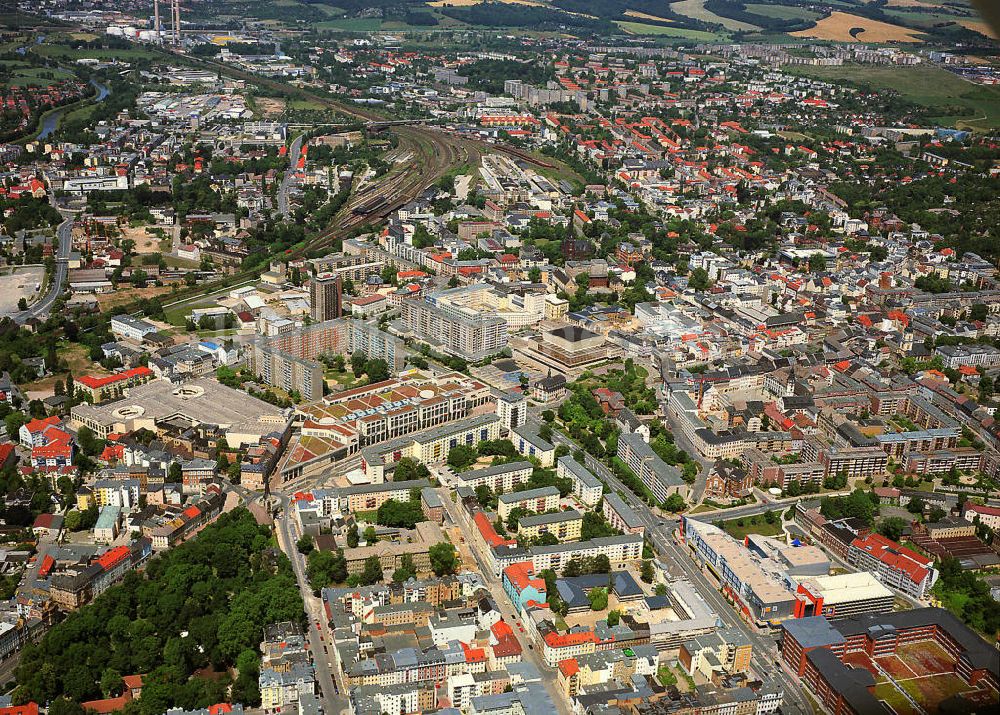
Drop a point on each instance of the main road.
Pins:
(528, 649)
(294, 151)
(320, 640)
(660, 531)
(64, 235)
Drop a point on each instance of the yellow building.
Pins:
(564, 525)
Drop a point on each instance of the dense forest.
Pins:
(191, 624)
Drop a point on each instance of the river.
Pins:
(51, 121)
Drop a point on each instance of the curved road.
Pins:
(40, 308)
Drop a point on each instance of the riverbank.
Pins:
(52, 116)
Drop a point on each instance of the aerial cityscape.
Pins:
(499, 357)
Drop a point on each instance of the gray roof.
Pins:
(495, 469)
(528, 494)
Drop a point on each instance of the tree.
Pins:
(915, 506)
(817, 263)
(325, 567)
(892, 527)
(408, 469)
(371, 572)
(358, 362)
(407, 569)
(305, 544)
(614, 617)
(111, 683)
(22, 303)
(352, 536)
(661, 589)
(461, 456)
(936, 514)
(601, 564)
(646, 571)
(698, 280)
(675, 503)
(370, 536)
(598, 598)
(175, 473)
(88, 441)
(444, 559)
(377, 370)
(572, 568)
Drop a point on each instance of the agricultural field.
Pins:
(839, 26)
(783, 12)
(926, 85)
(695, 9)
(639, 28)
(646, 16)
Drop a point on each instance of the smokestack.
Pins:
(176, 7)
(156, 19)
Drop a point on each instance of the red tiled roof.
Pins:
(26, 709)
(112, 557)
(897, 557)
(96, 383)
(569, 667)
(40, 425)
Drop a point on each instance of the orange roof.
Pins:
(569, 667)
(112, 557)
(564, 640)
(95, 383)
(26, 709)
(522, 575)
(40, 425)
(490, 534)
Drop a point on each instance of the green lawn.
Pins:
(734, 529)
(38, 76)
(641, 28)
(72, 53)
(931, 86)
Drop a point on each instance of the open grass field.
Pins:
(837, 27)
(646, 16)
(930, 86)
(639, 28)
(790, 12)
(695, 9)
(37, 76)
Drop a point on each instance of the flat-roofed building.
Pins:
(498, 477)
(572, 346)
(844, 596)
(243, 419)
